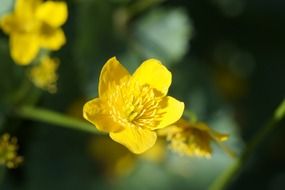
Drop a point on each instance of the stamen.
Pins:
(134, 105)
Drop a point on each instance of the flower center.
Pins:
(135, 105)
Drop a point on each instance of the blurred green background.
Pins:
(228, 65)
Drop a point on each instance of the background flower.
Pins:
(44, 75)
(192, 138)
(33, 25)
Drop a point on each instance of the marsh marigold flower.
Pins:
(34, 24)
(8, 151)
(44, 74)
(131, 107)
(191, 138)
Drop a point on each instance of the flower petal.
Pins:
(52, 13)
(112, 72)
(173, 110)
(52, 38)
(136, 139)
(24, 48)
(152, 72)
(8, 23)
(25, 8)
(93, 111)
(219, 136)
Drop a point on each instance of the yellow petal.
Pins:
(112, 72)
(201, 126)
(52, 38)
(24, 48)
(8, 23)
(93, 111)
(136, 139)
(52, 13)
(152, 72)
(25, 8)
(157, 153)
(219, 136)
(214, 134)
(173, 110)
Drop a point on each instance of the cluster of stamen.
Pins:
(132, 104)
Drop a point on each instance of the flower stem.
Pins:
(230, 173)
(58, 119)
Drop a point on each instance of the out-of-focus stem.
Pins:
(229, 174)
(57, 119)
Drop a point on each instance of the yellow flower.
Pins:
(192, 139)
(44, 75)
(34, 24)
(8, 151)
(131, 107)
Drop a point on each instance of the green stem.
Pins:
(223, 180)
(58, 119)
(230, 173)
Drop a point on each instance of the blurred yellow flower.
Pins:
(121, 163)
(131, 107)
(156, 154)
(8, 151)
(192, 139)
(34, 24)
(44, 75)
